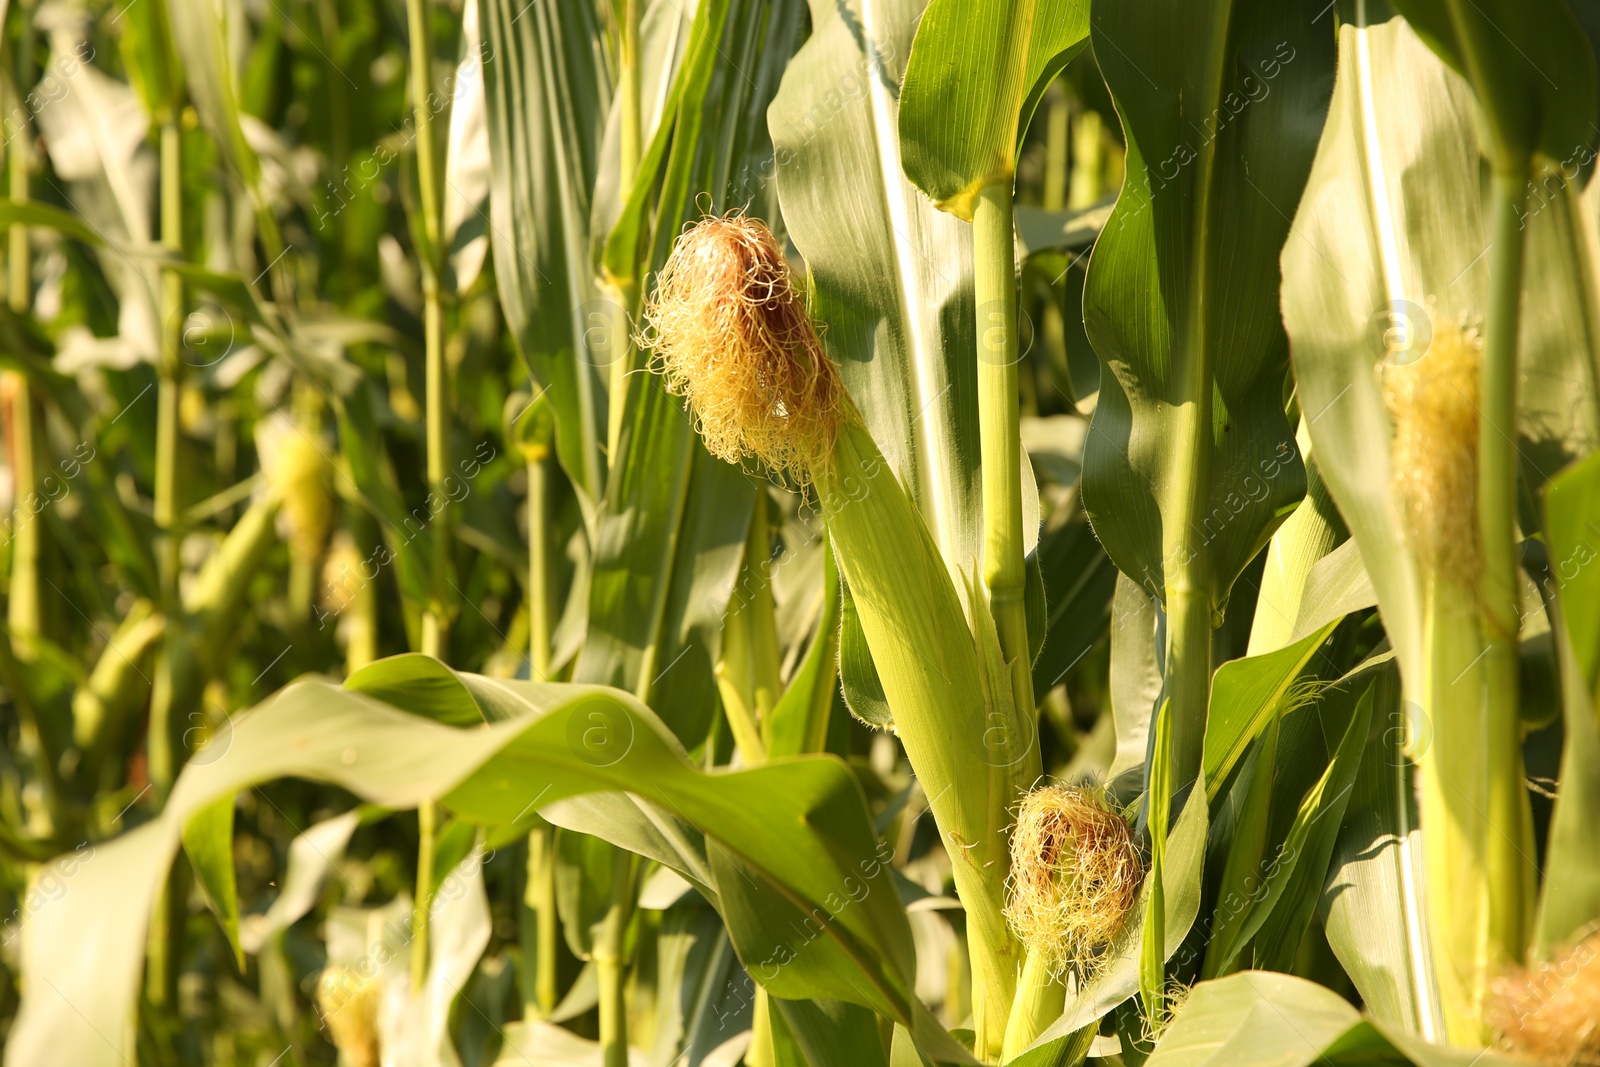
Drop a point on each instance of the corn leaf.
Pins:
(1531, 66)
(1372, 904)
(1277, 1020)
(1571, 898)
(547, 92)
(891, 275)
(976, 73)
(793, 844)
(1214, 175)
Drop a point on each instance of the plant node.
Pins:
(732, 335)
(1075, 876)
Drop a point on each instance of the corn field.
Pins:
(800, 533)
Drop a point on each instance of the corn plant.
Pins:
(875, 532)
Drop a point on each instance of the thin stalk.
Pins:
(419, 925)
(435, 619)
(1088, 160)
(611, 960)
(631, 144)
(169, 369)
(1055, 148)
(168, 689)
(540, 928)
(1511, 875)
(995, 292)
(539, 625)
(23, 613)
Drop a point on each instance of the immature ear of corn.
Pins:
(1465, 739)
(732, 335)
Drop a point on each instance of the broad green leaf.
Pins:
(1373, 904)
(1039, 230)
(208, 842)
(201, 34)
(670, 532)
(1572, 524)
(858, 677)
(800, 721)
(792, 840)
(1219, 145)
(584, 872)
(976, 72)
(34, 213)
(1136, 628)
(547, 93)
(1080, 584)
(1245, 694)
(1336, 586)
(1570, 900)
(891, 275)
(150, 54)
(1277, 1020)
(1191, 463)
(1305, 539)
(828, 1032)
(1531, 66)
(1293, 880)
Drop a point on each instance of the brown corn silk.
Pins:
(731, 334)
(1075, 876)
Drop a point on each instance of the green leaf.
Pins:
(547, 93)
(1531, 66)
(1372, 905)
(800, 721)
(1570, 900)
(1245, 694)
(863, 689)
(201, 37)
(1276, 1020)
(34, 213)
(891, 275)
(1572, 525)
(976, 72)
(807, 899)
(1220, 105)
(208, 842)
(829, 1032)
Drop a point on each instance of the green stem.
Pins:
(539, 625)
(419, 927)
(169, 369)
(435, 620)
(168, 689)
(611, 960)
(1055, 148)
(23, 612)
(629, 149)
(540, 926)
(995, 291)
(1512, 876)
